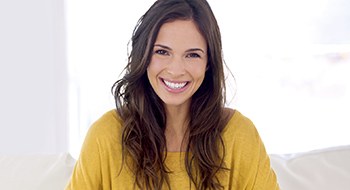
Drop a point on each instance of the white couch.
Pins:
(326, 169)
(35, 172)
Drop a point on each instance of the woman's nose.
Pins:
(176, 67)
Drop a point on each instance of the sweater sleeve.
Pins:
(87, 171)
(250, 161)
(265, 177)
(260, 175)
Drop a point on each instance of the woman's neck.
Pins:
(176, 126)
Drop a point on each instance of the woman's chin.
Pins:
(176, 103)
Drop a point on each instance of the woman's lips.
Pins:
(175, 86)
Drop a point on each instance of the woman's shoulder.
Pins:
(110, 116)
(238, 124)
(108, 125)
(241, 137)
(235, 116)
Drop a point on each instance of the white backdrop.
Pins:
(290, 60)
(33, 77)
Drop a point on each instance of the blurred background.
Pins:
(59, 59)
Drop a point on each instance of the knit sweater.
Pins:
(100, 161)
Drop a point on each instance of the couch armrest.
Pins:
(35, 172)
(324, 169)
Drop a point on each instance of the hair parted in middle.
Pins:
(143, 112)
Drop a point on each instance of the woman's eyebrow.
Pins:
(163, 46)
(189, 50)
(195, 49)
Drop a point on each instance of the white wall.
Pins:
(290, 60)
(33, 77)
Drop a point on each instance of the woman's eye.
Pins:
(193, 55)
(161, 52)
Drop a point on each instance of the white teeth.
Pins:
(175, 85)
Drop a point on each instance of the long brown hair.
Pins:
(143, 113)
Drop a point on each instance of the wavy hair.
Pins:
(143, 112)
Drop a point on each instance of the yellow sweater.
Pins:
(100, 159)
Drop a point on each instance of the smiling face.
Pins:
(178, 63)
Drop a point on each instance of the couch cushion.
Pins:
(325, 169)
(35, 172)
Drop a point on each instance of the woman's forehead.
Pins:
(181, 33)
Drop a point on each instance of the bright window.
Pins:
(291, 61)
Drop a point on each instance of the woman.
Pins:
(170, 129)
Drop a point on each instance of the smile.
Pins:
(174, 85)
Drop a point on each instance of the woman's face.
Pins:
(178, 63)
